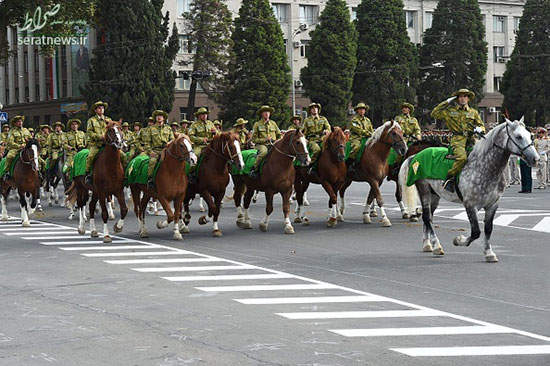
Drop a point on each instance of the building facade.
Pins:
(46, 89)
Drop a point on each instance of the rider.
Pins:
(134, 145)
(264, 133)
(218, 126)
(409, 126)
(202, 131)
(184, 127)
(5, 132)
(315, 127)
(75, 140)
(95, 132)
(128, 136)
(463, 121)
(56, 140)
(17, 139)
(175, 127)
(42, 137)
(159, 137)
(296, 122)
(241, 131)
(360, 127)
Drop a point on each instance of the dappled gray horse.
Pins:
(482, 183)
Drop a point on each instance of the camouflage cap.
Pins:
(174, 124)
(408, 105)
(45, 126)
(70, 122)
(6, 126)
(313, 105)
(240, 122)
(15, 119)
(30, 129)
(58, 123)
(217, 123)
(297, 116)
(125, 124)
(201, 110)
(361, 105)
(464, 92)
(159, 112)
(137, 124)
(184, 121)
(265, 108)
(98, 104)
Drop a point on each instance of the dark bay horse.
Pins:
(25, 179)
(373, 167)
(277, 176)
(171, 185)
(108, 179)
(331, 174)
(213, 177)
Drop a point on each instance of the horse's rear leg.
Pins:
(300, 197)
(369, 207)
(490, 212)
(269, 209)
(286, 210)
(3, 198)
(123, 211)
(110, 207)
(141, 218)
(342, 208)
(217, 207)
(93, 203)
(24, 213)
(238, 192)
(475, 233)
(332, 201)
(105, 216)
(246, 224)
(380, 201)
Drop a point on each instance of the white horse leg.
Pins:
(50, 195)
(81, 229)
(265, 223)
(106, 236)
(24, 216)
(298, 212)
(247, 224)
(255, 197)
(177, 234)
(142, 229)
(341, 209)
(332, 216)
(366, 215)
(161, 224)
(216, 230)
(240, 216)
(184, 229)
(288, 226)
(490, 256)
(56, 196)
(385, 221)
(93, 230)
(118, 226)
(110, 211)
(404, 213)
(426, 245)
(71, 209)
(5, 216)
(372, 209)
(306, 202)
(201, 205)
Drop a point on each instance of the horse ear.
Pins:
(521, 120)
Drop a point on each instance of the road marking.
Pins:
(317, 286)
(52, 237)
(473, 351)
(309, 300)
(192, 269)
(361, 314)
(113, 247)
(84, 241)
(43, 233)
(505, 220)
(543, 225)
(22, 230)
(393, 332)
(134, 254)
(21, 227)
(163, 260)
(229, 277)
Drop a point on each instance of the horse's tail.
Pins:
(409, 194)
(71, 193)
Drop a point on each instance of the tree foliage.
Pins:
(328, 76)
(132, 69)
(260, 74)
(527, 78)
(454, 53)
(387, 61)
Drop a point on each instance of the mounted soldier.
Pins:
(161, 134)
(411, 130)
(42, 137)
(218, 125)
(296, 122)
(242, 133)
(264, 133)
(463, 121)
(128, 136)
(75, 140)
(56, 141)
(315, 128)
(4, 135)
(360, 128)
(15, 142)
(184, 127)
(134, 145)
(175, 127)
(201, 131)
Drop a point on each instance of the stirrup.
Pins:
(89, 179)
(192, 179)
(253, 174)
(449, 185)
(151, 184)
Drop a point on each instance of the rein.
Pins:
(225, 146)
(505, 148)
(292, 147)
(178, 158)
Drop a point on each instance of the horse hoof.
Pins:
(202, 220)
(289, 229)
(340, 218)
(306, 202)
(71, 216)
(491, 259)
(247, 225)
(254, 200)
(305, 221)
(332, 222)
(4, 218)
(217, 233)
(373, 214)
(143, 234)
(117, 229)
(177, 235)
(26, 224)
(418, 211)
(111, 217)
(263, 226)
(94, 234)
(459, 241)
(406, 216)
(298, 220)
(386, 222)
(366, 219)
(427, 248)
(50, 204)
(81, 231)
(107, 239)
(160, 225)
(39, 208)
(438, 251)
(239, 224)
(184, 230)
(56, 202)
(413, 219)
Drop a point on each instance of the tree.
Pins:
(387, 61)
(328, 76)
(210, 27)
(132, 69)
(525, 84)
(260, 73)
(454, 53)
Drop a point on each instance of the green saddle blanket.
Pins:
(136, 171)
(359, 153)
(79, 163)
(249, 158)
(430, 163)
(392, 157)
(3, 165)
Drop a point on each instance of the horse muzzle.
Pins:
(531, 158)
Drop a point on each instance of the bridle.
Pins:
(224, 147)
(31, 159)
(335, 147)
(109, 140)
(185, 155)
(292, 147)
(510, 138)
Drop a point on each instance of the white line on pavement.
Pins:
(228, 277)
(309, 300)
(112, 247)
(316, 286)
(361, 314)
(193, 269)
(473, 351)
(393, 332)
(134, 254)
(51, 237)
(162, 260)
(85, 241)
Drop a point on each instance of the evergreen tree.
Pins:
(527, 78)
(387, 61)
(210, 27)
(132, 69)
(454, 53)
(260, 74)
(328, 76)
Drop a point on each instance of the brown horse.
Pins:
(277, 176)
(213, 177)
(373, 167)
(108, 179)
(332, 170)
(25, 179)
(171, 183)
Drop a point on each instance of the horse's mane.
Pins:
(31, 142)
(337, 132)
(112, 124)
(487, 142)
(377, 135)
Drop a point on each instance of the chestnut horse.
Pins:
(108, 179)
(331, 174)
(373, 167)
(213, 177)
(25, 179)
(171, 183)
(277, 176)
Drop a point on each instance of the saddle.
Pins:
(3, 166)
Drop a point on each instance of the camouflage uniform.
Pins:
(241, 131)
(260, 133)
(360, 127)
(74, 142)
(410, 127)
(17, 138)
(43, 141)
(198, 131)
(314, 130)
(159, 137)
(55, 147)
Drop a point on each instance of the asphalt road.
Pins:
(354, 295)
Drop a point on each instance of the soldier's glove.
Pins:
(478, 130)
(450, 99)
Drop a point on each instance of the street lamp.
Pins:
(302, 27)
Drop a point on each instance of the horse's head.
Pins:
(113, 135)
(231, 149)
(297, 143)
(393, 135)
(181, 149)
(518, 142)
(336, 143)
(32, 149)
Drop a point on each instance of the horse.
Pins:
(213, 177)
(331, 174)
(25, 179)
(482, 183)
(108, 179)
(171, 185)
(373, 167)
(277, 176)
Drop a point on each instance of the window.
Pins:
(183, 7)
(498, 23)
(281, 12)
(47, 119)
(409, 18)
(304, 48)
(498, 53)
(496, 83)
(37, 120)
(64, 88)
(353, 14)
(309, 14)
(7, 97)
(184, 44)
(516, 24)
(37, 92)
(183, 113)
(428, 20)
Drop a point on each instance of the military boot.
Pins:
(89, 181)
(450, 184)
